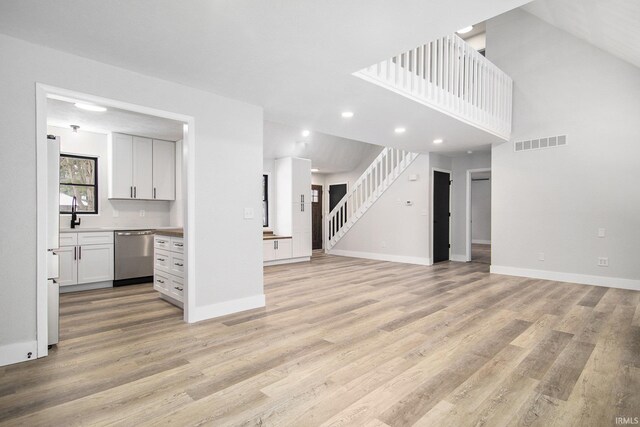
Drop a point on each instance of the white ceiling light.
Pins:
(315, 170)
(465, 30)
(74, 128)
(306, 133)
(90, 107)
(469, 152)
(438, 141)
(347, 114)
(399, 130)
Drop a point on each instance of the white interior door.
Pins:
(142, 168)
(95, 263)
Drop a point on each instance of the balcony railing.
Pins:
(453, 78)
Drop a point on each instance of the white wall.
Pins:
(554, 200)
(227, 169)
(481, 211)
(460, 165)
(116, 213)
(391, 230)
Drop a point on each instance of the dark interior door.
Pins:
(441, 216)
(316, 216)
(336, 193)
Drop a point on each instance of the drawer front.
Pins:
(68, 239)
(162, 261)
(177, 244)
(177, 264)
(95, 238)
(161, 283)
(162, 242)
(177, 288)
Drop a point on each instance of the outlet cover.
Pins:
(603, 262)
(541, 256)
(601, 232)
(142, 212)
(248, 213)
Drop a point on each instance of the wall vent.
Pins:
(537, 144)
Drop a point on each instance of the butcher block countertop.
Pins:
(172, 232)
(268, 235)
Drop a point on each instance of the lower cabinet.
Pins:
(168, 266)
(276, 249)
(85, 263)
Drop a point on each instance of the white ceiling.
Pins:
(611, 25)
(64, 114)
(328, 153)
(294, 58)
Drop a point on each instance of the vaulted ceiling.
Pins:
(612, 25)
(293, 57)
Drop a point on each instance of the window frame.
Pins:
(265, 199)
(95, 180)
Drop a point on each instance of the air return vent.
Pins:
(536, 144)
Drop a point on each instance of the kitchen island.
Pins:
(169, 265)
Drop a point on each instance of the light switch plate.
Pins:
(248, 213)
(601, 232)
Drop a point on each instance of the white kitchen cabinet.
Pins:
(293, 204)
(95, 263)
(164, 170)
(169, 266)
(85, 257)
(283, 249)
(276, 249)
(141, 168)
(68, 265)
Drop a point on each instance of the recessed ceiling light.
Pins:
(315, 170)
(437, 141)
(306, 133)
(469, 152)
(90, 107)
(399, 130)
(465, 30)
(347, 114)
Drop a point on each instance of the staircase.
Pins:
(379, 176)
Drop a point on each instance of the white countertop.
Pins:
(123, 228)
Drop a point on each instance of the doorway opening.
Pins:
(316, 217)
(479, 216)
(79, 172)
(441, 214)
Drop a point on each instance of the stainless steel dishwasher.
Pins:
(133, 257)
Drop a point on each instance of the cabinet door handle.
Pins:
(135, 192)
(161, 259)
(301, 207)
(154, 192)
(178, 264)
(79, 252)
(131, 192)
(178, 244)
(160, 281)
(75, 249)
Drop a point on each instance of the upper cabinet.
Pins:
(141, 168)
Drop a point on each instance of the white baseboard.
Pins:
(458, 258)
(481, 242)
(86, 287)
(286, 261)
(228, 307)
(382, 257)
(18, 352)
(584, 279)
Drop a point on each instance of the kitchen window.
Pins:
(79, 178)
(265, 200)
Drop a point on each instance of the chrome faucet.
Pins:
(74, 213)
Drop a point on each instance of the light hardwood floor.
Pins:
(343, 342)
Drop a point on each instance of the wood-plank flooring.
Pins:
(343, 342)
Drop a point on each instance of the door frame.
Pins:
(327, 203)
(468, 210)
(188, 202)
(433, 173)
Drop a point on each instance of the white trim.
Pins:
(481, 242)
(286, 261)
(86, 287)
(458, 258)
(584, 279)
(188, 185)
(468, 230)
(228, 307)
(382, 257)
(17, 352)
(433, 170)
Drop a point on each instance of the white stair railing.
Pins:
(453, 78)
(382, 172)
